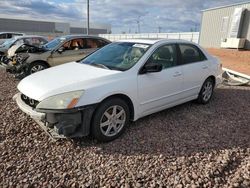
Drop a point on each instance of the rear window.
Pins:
(191, 54)
(3, 36)
(17, 34)
(9, 35)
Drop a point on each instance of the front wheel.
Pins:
(110, 120)
(36, 67)
(206, 92)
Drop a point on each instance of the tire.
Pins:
(36, 67)
(206, 91)
(105, 125)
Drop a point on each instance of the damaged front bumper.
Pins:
(60, 123)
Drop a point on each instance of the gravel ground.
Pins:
(187, 146)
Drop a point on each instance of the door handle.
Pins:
(204, 67)
(176, 74)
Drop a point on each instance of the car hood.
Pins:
(12, 50)
(64, 78)
(18, 49)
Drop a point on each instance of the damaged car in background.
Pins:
(58, 51)
(122, 81)
(9, 47)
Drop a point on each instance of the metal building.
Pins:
(50, 28)
(226, 27)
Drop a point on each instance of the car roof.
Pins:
(11, 33)
(154, 41)
(68, 37)
(28, 36)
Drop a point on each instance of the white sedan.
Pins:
(123, 81)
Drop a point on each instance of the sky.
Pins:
(123, 15)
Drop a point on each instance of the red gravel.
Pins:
(233, 59)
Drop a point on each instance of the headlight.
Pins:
(61, 101)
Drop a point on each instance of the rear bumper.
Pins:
(219, 80)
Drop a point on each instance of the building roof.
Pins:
(235, 4)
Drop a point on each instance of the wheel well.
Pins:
(213, 78)
(127, 100)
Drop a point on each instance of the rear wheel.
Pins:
(206, 92)
(110, 120)
(36, 67)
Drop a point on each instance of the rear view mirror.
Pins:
(151, 67)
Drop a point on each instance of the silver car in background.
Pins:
(58, 51)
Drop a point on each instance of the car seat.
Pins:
(74, 45)
(189, 56)
(165, 57)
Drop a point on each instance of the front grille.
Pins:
(31, 102)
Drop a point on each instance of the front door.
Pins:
(73, 50)
(156, 91)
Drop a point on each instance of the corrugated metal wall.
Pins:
(44, 28)
(211, 29)
(25, 26)
(75, 30)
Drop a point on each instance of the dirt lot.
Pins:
(233, 59)
(187, 146)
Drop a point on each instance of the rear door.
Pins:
(90, 45)
(195, 69)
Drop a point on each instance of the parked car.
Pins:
(8, 35)
(30, 40)
(58, 51)
(123, 81)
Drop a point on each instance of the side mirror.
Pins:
(151, 67)
(60, 50)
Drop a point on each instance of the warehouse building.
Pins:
(50, 28)
(226, 27)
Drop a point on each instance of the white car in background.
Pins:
(8, 35)
(123, 81)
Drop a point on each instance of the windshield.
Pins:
(54, 43)
(117, 56)
(8, 42)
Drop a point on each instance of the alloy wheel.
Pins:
(37, 68)
(207, 91)
(112, 121)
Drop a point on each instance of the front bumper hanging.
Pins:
(60, 124)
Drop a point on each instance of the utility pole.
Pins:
(138, 23)
(87, 17)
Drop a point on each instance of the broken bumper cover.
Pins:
(219, 80)
(27, 109)
(60, 124)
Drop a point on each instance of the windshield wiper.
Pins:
(100, 65)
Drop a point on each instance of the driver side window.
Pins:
(74, 44)
(165, 55)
